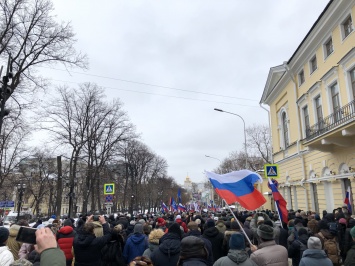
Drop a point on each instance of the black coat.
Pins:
(193, 262)
(87, 247)
(216, 239)
(168, 252)
(295, 249)
(111, 254)
(208, 245)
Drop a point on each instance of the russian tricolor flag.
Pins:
(164, 208)
(280, 202)
(238, 186)
(181, 207)
(347, 200)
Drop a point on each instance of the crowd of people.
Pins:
(188, 239)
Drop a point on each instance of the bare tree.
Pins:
(32, 36)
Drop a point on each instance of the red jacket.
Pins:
(65, 238)
(182, 224)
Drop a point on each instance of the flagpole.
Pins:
(241, 227)
(278, 211)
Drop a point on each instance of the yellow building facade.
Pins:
(312, 113)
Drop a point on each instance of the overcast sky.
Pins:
(197, 56)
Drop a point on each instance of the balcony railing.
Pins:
(340, 116)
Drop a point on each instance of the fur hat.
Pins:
(314, 243)
(210, 223)
(155, 235)
(198, 221)
(192, 225)
(21, 262)
(4, 234)
(237, 241)
(138, 228)
(193, 247)
(265, 232)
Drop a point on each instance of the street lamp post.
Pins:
(245, 135)
(213, 158)
(21, 189)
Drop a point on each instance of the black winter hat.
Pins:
(193, 247)
(4, 234)
(175, 229)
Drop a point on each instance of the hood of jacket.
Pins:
(196, 233)
(237, 256)
(66, 230)
(84, 240)
(171, 244)
(137, 238)
(315, 253)
(211, 232)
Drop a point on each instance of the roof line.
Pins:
(309, 32)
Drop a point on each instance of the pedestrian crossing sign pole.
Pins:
(109, 189)
(271, 170)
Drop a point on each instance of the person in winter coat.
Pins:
(6, 256)
(169, 248)
(350, 256)
(153, 241)
(87, 247)
(136, 244)
(46, 246)
(236, 254)
(220, 225)
(314, 255)
(12, 244)
(298, 246)
(234, 229)
(181, 223)
(193, 230)
(111, 253)
(65, 239)
(193, 252)
(268, 252)
(215, 237)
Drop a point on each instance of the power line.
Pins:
(149, 84)
(156, 94)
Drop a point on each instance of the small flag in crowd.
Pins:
(173, 205)
(280, 202)
(164, 208)
(179, 196)
(181, 207)
(238, 186)
(347, 200)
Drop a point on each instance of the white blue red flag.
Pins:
(238, 186)
(164, 208)
(181, 207)
(347, 200)
(280, 202)
(173, 205)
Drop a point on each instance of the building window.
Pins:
(335, 101)
(285, 130)
(328, 47)
(301, 77)
(313, 64)
(352, 80)
(347, 27)
(319, 113)
(306, 120)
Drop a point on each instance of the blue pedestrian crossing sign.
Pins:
(109, 189)
(271, 170)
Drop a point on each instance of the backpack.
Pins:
(333, 228)
(331, 248)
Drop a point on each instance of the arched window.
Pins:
(285, 130)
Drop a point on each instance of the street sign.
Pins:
(108, 204)
(7, 203)
(108, 198)
(109, 189)
(271, 170)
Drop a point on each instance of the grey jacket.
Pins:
(315, 257)
(270, 254)
(235, 257)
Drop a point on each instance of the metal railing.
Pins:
(340, 116)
